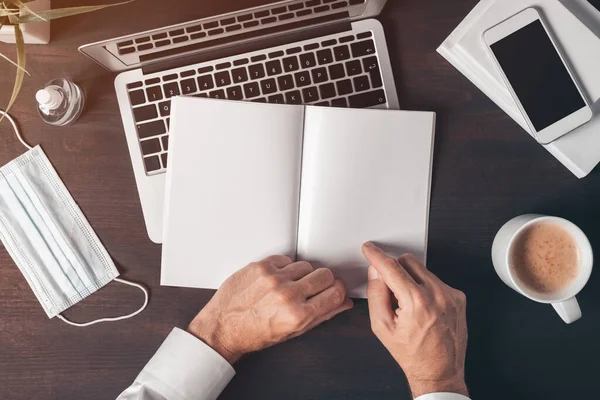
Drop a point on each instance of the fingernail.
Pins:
(372, 273)
(369, 245)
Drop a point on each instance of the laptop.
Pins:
(318, 52)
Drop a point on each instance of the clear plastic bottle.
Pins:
(60, 102)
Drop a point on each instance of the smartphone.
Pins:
(537, 75)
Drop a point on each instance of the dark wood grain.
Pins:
(486, 171)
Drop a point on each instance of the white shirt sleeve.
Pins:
(183, 368)
(442, 396)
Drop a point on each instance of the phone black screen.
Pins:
(537, 75)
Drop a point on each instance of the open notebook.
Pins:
(248, 180)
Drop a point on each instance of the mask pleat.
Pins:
(54, 237)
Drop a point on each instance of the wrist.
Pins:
(420, 387)
(210, 331)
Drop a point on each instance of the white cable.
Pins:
(112, 319)
(14, 125)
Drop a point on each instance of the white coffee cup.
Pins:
(563, 301)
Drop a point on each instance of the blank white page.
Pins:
(366, 175)
(232, 191)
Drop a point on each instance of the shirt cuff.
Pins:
(184, 366)
(442, 396)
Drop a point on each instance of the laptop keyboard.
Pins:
(340, 72)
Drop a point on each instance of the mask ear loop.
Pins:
(14, 125)
(112, 319)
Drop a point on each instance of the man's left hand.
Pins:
(267, 303)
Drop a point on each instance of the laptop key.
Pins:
(274, 68)
(290, 64)
(134, 85)
(206, 69)
(217, 94)
(251, 89)
(257, 71)
(146, 46)
(371, 66)
(171, 89)
(376, 81)
(310, 94)
(324, 56)
(239, 75)
(235, 93)
(302, 79)
(339, 103)
(368, 99)
(223, 78)
(260, 100)
(150, 146)
(285, 82)
(293, 97)
(361, 83)
(188, 86)
(303, 13)
(150, 129)
(268, 86)
(370, 63)
(308, 60)
(181, 39)
(341, 4)
(341, 53)
(327, 90)
(205, 82)
(145, 113)
(344, 87)
(137, 97)
(323, 104)
(364, 48)
(163, 159)
(337, 71)
(276, 99)
(165, 108)
(152, 163)
(353, 67)
(319, 75)
(165, 142)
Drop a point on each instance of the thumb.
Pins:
(379, 299)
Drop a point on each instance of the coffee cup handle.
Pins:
(568, 310)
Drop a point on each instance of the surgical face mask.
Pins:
(49, 238)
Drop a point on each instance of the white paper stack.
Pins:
(579, 150)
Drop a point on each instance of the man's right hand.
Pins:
(427, 333)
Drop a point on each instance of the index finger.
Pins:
(393, 274)
(277, 261)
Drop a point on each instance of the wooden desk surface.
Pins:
(486, 171)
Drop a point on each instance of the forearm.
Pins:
(183, 368)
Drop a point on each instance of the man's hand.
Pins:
(267, 303)
(427, 333)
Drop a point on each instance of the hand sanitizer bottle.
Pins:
(60, 102)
